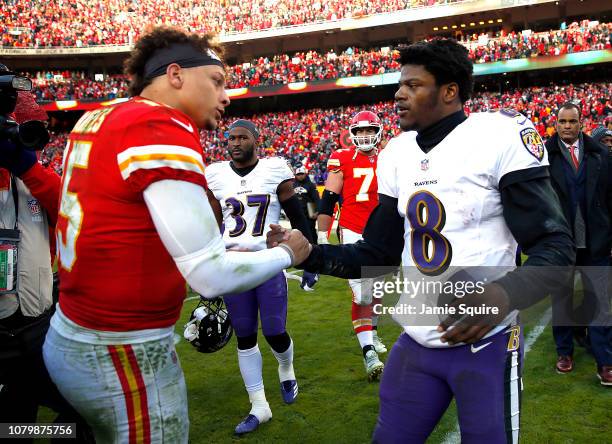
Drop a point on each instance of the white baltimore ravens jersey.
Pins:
(450, 199)
(250, 203)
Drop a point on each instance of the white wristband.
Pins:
(322, 238)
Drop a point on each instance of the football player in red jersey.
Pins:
(352, 176)
(127, 244)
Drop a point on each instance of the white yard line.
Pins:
(192, 298)
(454, 437)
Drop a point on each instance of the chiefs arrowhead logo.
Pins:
(345, 140)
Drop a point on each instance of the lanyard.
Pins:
(15, 199)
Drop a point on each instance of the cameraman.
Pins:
(29, 197)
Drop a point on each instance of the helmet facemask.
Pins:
(365, 142)
(209, 328)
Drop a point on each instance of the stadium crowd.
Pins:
(577, 37)
(24, 23)
(314, 65)
(75, 85)
(307, 137)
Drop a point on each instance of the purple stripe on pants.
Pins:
(269, 299)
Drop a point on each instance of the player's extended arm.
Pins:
(533, 213)
(382, 245)
(291, 206)
(189, 231)
(333, 188)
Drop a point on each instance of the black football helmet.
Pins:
(209, 327)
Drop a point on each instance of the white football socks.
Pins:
(365, 338)
(285, 364)
(259, 406)
(251, 362)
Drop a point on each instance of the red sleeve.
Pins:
(44, 184)
(334, 163)
(161, 146)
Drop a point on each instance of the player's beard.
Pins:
(244, 156)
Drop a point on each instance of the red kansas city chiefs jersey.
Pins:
(115, 273)
(360, 188)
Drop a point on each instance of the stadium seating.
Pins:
(577, 37)
(67, 85)
(308, 137)
(315, 65)
(25, 23)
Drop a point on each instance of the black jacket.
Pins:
(598, 215)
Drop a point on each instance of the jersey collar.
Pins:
(243, 171)
(434, 134)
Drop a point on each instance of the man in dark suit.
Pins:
(581, 174)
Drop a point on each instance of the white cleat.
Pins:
(378, 345)
(373, 366)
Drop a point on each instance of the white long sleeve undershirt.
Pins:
(188, 229)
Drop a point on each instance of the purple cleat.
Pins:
(289, 391)
(248, 424)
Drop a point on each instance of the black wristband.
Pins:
(327, 204)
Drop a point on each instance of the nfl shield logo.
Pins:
(34, 206)
(36, 210)
(242, 182)
(424, 164)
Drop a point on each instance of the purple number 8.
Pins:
(431, 251)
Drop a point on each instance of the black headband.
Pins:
(246, 124)
(183, 54)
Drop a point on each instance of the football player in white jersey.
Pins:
(456, 191)
(249, 193)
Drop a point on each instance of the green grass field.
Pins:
(337, 404)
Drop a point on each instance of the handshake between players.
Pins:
(469, 324)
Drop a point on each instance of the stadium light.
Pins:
(454, 26)
(435, 28)
(490, 21)
(472, 24)
(481, 22)
(499, 20)
(463, 25)
(445, 27)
